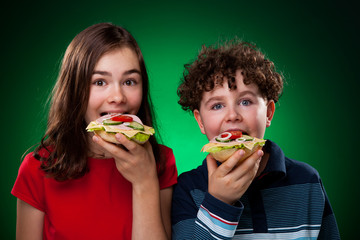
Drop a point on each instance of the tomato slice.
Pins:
(235, 134)
(224, 135)
(122, 118)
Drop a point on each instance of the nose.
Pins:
(116, 95)
(233, 114)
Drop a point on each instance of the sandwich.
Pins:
(226, 144)
(127, 124)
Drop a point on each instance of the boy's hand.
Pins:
(229, 181)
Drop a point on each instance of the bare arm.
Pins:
(29, 222)
(165, 200)
(151, 214)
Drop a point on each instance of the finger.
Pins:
(150, 152)
(260, 154)
(248, 166)
(127, 143)
(110, 147)
(148, 148)
(252, 171)
(227, 166)
(211, 164)
(255, 157)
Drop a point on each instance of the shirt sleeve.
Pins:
(29, 183)
(329, 229)
(169, 177)
(199, 215)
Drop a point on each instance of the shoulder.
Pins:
(30, 163)
(29, 184)
(196, 178)
(301, 171)
(166, 150)
(300, 166)
(190, 190)
(168, 172)
(295, 171)
(168, 155)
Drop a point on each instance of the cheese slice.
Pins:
(121, 128)
(214, 146)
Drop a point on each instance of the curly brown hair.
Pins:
(215, 64)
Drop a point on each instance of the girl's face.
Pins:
(241, 109)
(116, 85)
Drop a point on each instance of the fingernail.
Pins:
(260, 153)
(118, 136)
(95, 138)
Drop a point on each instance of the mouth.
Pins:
(237, 129)
(112, 112)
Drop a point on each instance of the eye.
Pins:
(217, 106)
(130, 82)
(99, 82)
(245, 102)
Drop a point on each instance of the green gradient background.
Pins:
(313, 44)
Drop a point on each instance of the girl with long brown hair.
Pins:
(75, 185)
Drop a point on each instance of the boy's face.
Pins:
(241, 109)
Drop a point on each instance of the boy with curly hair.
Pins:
(265, 196)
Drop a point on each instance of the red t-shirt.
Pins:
(96, 206)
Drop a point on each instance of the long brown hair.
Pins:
(65, 139)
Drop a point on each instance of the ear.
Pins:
(198, 119)
(270, 112)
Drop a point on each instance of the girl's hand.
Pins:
(229, 181)
(135, 162)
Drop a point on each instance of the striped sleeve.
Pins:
(329, 228)
(217, 220)
(214, 220)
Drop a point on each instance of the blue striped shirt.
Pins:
(287, 202)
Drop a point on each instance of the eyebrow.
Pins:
(212, 99)
(221, 97)
(105, 73)
(247, 92)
